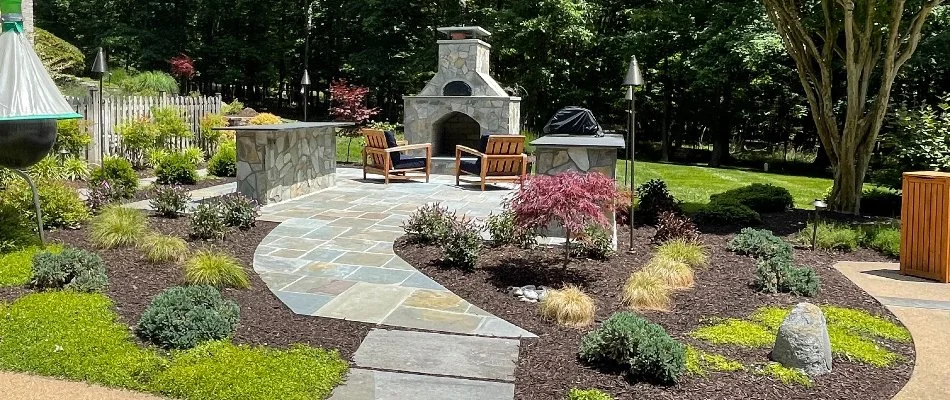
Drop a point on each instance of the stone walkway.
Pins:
(332, 256)
(924, 307)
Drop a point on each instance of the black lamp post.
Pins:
(819, 206)
(100, 67)
(305, 83)
(633, 79)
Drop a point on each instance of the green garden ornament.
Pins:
(30, 102)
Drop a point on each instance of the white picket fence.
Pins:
(106, 141)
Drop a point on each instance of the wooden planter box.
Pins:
(925, 225)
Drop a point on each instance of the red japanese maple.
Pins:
(570, 199)
(182, 66)
(349, 102)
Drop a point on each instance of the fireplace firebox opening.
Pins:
(455, 129)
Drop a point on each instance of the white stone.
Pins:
(802, 341)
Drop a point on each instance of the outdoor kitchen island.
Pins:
(281, 162)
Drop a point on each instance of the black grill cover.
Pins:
(573, 121)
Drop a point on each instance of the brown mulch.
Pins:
(548, 366)
(265, 320)
(144, 192)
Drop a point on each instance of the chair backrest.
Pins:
(375, 139)
(504, 145)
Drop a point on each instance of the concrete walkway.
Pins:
(332, 256)
(924, 307)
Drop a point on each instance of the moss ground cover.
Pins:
(701, 363)
(15, 267)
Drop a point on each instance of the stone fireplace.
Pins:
(462, 102)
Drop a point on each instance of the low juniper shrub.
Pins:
(672, 226)
(72, 269)
(760, 244)
(629, 341)
(170, 201)
(177, 168)
(429, 224)
(207, 221)
(761, 198)
(183, 317)
(655, 198)
(461, 244)
(778, 275)
(504, 231)
(239, 211)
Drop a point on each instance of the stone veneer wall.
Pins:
(279, 165)
(495, 115)
(551, 160)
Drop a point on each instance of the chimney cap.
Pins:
(475, 32)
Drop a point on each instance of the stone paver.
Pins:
(439, 354)
(365, 384)
(345, 235)
(924, 308)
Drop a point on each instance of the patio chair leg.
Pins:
(483, 186)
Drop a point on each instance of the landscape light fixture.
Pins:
(820, 205)
(305, 84)
(633, 79)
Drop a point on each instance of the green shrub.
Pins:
(760, 244)
(265, 119)
(224, 161)
(183, 317)
(627, 340)
(655, 198)
(207, 126)
(234, 108)
(831, 236)
(100, 195)
(195, 155)
(119, 174)
(672, 226)
(220, 370)
(503, 231)
(886, 240)
(881, 202)
(138, 138)
(47, 169)
(761, 198)
(238, 211)
(17, 231)
(155, 156)
(169, 201)
(163, 248)
(75, 169)
(17, 267)
(429, 223)
(588, 394)
(686, 252)
(117, 227)
(207, 221)
(461, 244)
(72, 135)
(216, 269)
(728, 214)
(596, 243)
(72, 269)
(72, 335)
(60, 204)
(149, 83)
(177, 168)
(777, 274)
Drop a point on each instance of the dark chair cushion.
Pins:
(410, 163)
(391, 142)
(482, 144)
(472, 167)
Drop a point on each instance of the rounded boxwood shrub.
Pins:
(762, 198)
(73, 269)
(177, 168)
(182, 317)
(119, 174)
(224, 161)
(628, 340)
(728, 213)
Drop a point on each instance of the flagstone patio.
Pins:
(332, 255)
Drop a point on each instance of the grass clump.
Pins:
(16, 267)
(163, 248)
(216, 269)
(736, 332)
(588, 394)
(117, 227)
(831, 236)
(71, 335)
(701, 363)
(673, 273)
(568, 307)
(224, 371)
(646, 291)
(690, 253)
(886, 240)
(788, 376)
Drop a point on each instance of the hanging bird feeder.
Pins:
(30, 102)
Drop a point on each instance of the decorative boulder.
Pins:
(803, 341)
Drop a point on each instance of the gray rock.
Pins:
(530, 294)
(803, 341)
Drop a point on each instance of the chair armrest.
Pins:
(374, 150)
(464, 149)
(505, 157)
(409, 147)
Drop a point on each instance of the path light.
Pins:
(305, 83)
(634, 78)
(819, 206)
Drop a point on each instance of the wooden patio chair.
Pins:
(381, 156)
(500, 158)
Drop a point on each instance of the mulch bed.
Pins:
(265, 320)
(145, 192)
(548, 366)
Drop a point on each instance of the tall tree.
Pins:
(872, 40)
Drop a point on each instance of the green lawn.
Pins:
(694, 184)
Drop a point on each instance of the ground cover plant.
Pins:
(16, 267)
